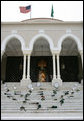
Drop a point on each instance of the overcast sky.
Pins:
(63, 10)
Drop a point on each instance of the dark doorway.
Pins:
(14, 69)
(69, 68)
(35, 68)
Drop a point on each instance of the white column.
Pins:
(58, 67)
(54, 67)
(24, 67)
(28, 67)
(82, 58)
(2, 52)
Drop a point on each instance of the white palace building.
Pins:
(49, 45)
(42, 51)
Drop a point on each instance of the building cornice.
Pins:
(42, 21)
(20, 23)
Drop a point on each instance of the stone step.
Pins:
(70, 105)
(40, 101)
(43, 85)
(43, 106)
(44, 103)
(46, 93)
(40, 88)
(65, 112)
(46, 97)
(43, 110)
(46, 100)
(49, 104)
(12, 102)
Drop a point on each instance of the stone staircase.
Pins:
(15, 106)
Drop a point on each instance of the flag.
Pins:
(25, 9)
(52, 12)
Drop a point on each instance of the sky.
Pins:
(63, 10)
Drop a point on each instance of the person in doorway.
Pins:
(42, 76)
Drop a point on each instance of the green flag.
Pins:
(52, 12)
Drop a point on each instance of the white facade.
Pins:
(55, 32)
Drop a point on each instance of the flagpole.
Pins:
(30, 13)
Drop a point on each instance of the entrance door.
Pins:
(14, 69)
(42, 72)
(41, 61)
(69, 68)
(41, 68)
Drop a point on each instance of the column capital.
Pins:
(55, 52)
(27, 52)
(24, 54)
(58, 53)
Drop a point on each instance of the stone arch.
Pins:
(33, 40)
(76, 39)
(9, 37)
(79, 47)
(41, 48)
(41, 59)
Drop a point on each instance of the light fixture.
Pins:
(30, 86)
(56, 85)
(14, 88)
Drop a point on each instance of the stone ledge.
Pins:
(50, 116)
